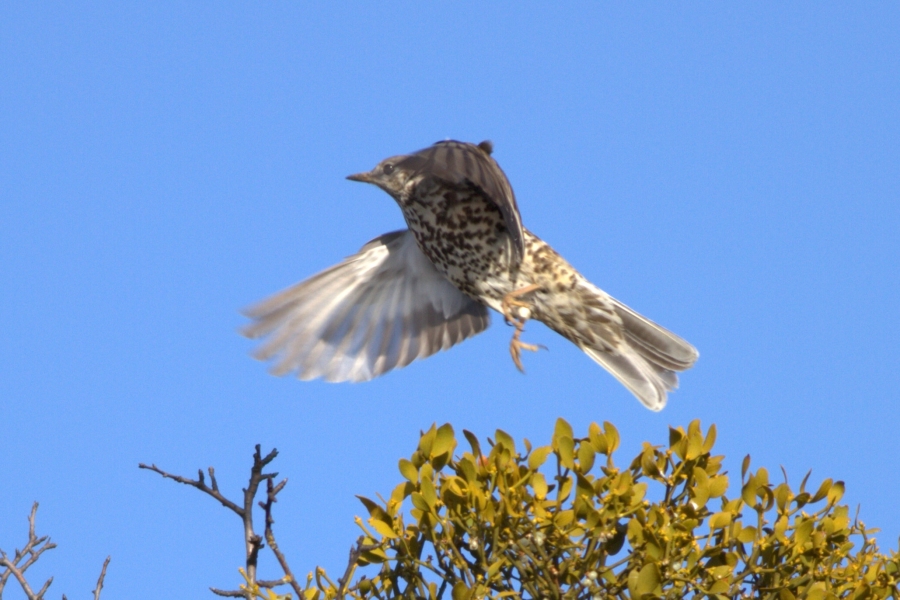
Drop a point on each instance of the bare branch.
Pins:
(253, 542)
(227, 593)
(200, 484)
(100, 580)
(27, 556)
(271, 493)
(352, 563)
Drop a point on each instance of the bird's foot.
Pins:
(516, 312)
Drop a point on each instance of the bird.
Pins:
(410, 293)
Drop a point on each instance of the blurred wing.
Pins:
(379, 309)
(458, 163)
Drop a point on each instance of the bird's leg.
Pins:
(516, 312)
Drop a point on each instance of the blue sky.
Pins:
(730, 171)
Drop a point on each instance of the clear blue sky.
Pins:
(731, 171)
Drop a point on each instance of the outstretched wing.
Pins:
(458, 163)
(379, 309)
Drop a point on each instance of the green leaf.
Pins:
(785, 594)
(566, 451)
(402, 491)
(694, 445)
(710, 440)
(744, 466)
(646, 582)
(375, 511)
(612, 436)
(675, 436)
(718, 485)
(383, 528)
(426, 441)
(648, 461)
(409, 471)
(473, 442)
(468, 470)
(720, 521)
(585, 456)
(461, 591)
(823, 490)
(419, 501)
(505, 440)
(747, 535)
(562, 429)
(493, 568)
(539, 485)
(538, 457)
(836, 492)
(427, 488)
(444, 440)
(598, 439)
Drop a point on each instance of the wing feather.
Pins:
(379, 309)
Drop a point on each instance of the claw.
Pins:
(517, 319)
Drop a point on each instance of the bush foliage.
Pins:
(563, 521)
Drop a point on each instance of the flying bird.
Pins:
(409, 293)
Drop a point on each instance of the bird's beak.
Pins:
(363, 177)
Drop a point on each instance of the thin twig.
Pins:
(200, 484)
(101, 578)
(352, 563)
(33, 550)
(228, 594)
(271, 493)
(252, 541)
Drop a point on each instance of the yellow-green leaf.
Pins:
(646, 582)
(836, 492)
(409, 471)
(539, 485)
(694, 445)
(426, 441)
(823, 490)
(428, 492)
(566, 451)
(747, 535)
(598, 439)
(585, 456)
(718, 485)
(473, 442)
(720, 521)
(504, 439)
(612, 436)
(538, 456)
(419, 501)
(383, 528)
(461, 591)
(444, 440)
(562, 429)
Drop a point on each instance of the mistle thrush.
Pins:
(407, 294)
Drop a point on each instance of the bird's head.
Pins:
(391, 175)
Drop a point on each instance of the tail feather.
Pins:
(655, 343)
(648, 382)
(645, 358)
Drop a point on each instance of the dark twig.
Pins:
(253, 542)
(200, 484)
(30, 553)
(352, 563)
(101, 578)
(228, 594)
(271, 493)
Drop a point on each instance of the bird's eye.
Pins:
(388, 169)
